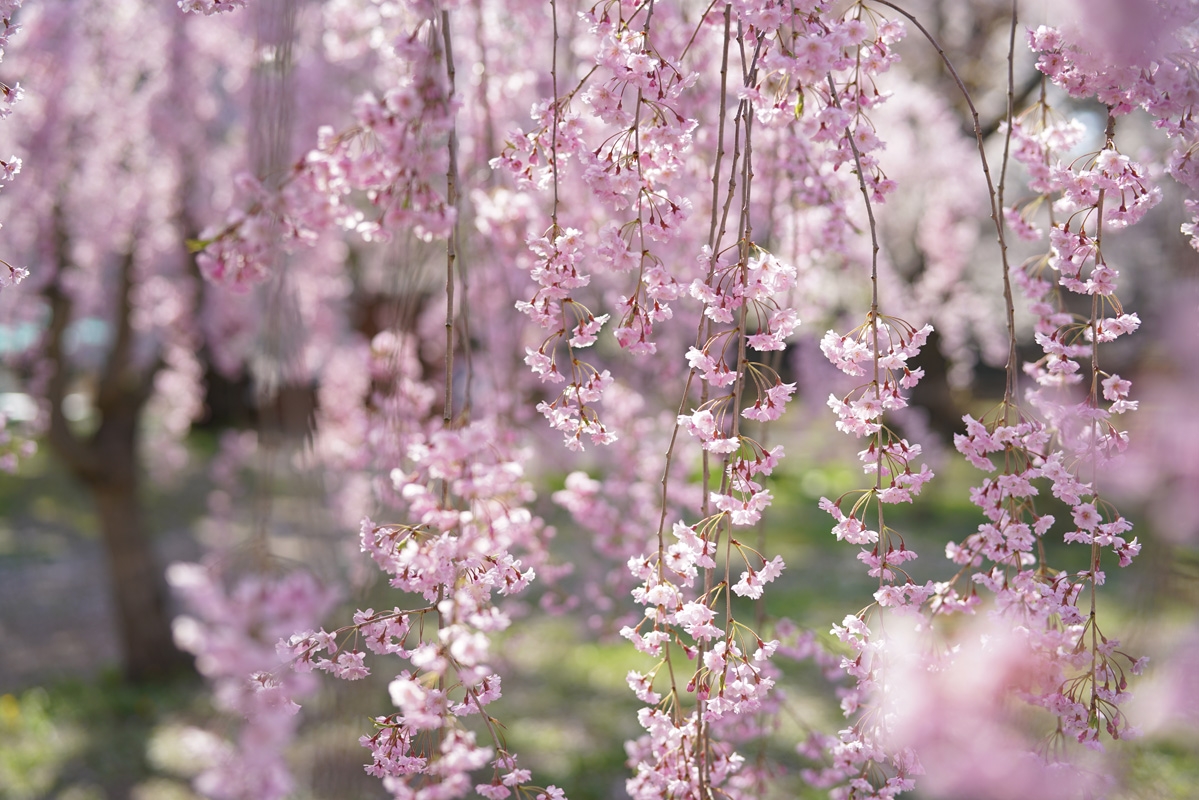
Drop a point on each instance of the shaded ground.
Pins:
(56, 614)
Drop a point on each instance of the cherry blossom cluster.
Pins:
(1148, 65)
(736, 703)
(861, 759)
(1081, 674)
(1111, 186)
(9, 96)
(757, 287)
(741, 293)
(689, 749)
(231, 627)
(630, 172)
(385, 173)
(633, 170)
(1128, 193)
(809, 54)
(744, 291)
(465, 495)
(634, 95)
(208, 7)
(573, 411)
(750, 289)
(668, 764)
(466, 538)
(1006, 539)
(1106, 186)
(733, 677)
(679, 755)
(880, 348)
(835, 62)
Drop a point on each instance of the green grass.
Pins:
(82, 739)
(1166, 770)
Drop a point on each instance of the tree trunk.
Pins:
(137, 585)
(106, 463)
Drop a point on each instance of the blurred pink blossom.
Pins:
(956, 712)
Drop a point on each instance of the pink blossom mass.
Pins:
(580, 297)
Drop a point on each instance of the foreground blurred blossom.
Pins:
(1167, 704)
(231, 628)
(1128, 33)
(1163, 457)
(955, 712)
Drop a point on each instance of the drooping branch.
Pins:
(451, 245)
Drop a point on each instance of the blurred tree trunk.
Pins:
(106, 463)
(138, 591)
(137, 585)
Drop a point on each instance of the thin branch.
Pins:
(874, 249)
(554, 116)
(1011, 388)
(996, 209)
(451, 246)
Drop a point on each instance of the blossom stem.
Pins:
(1012, 376)
(451, 247)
